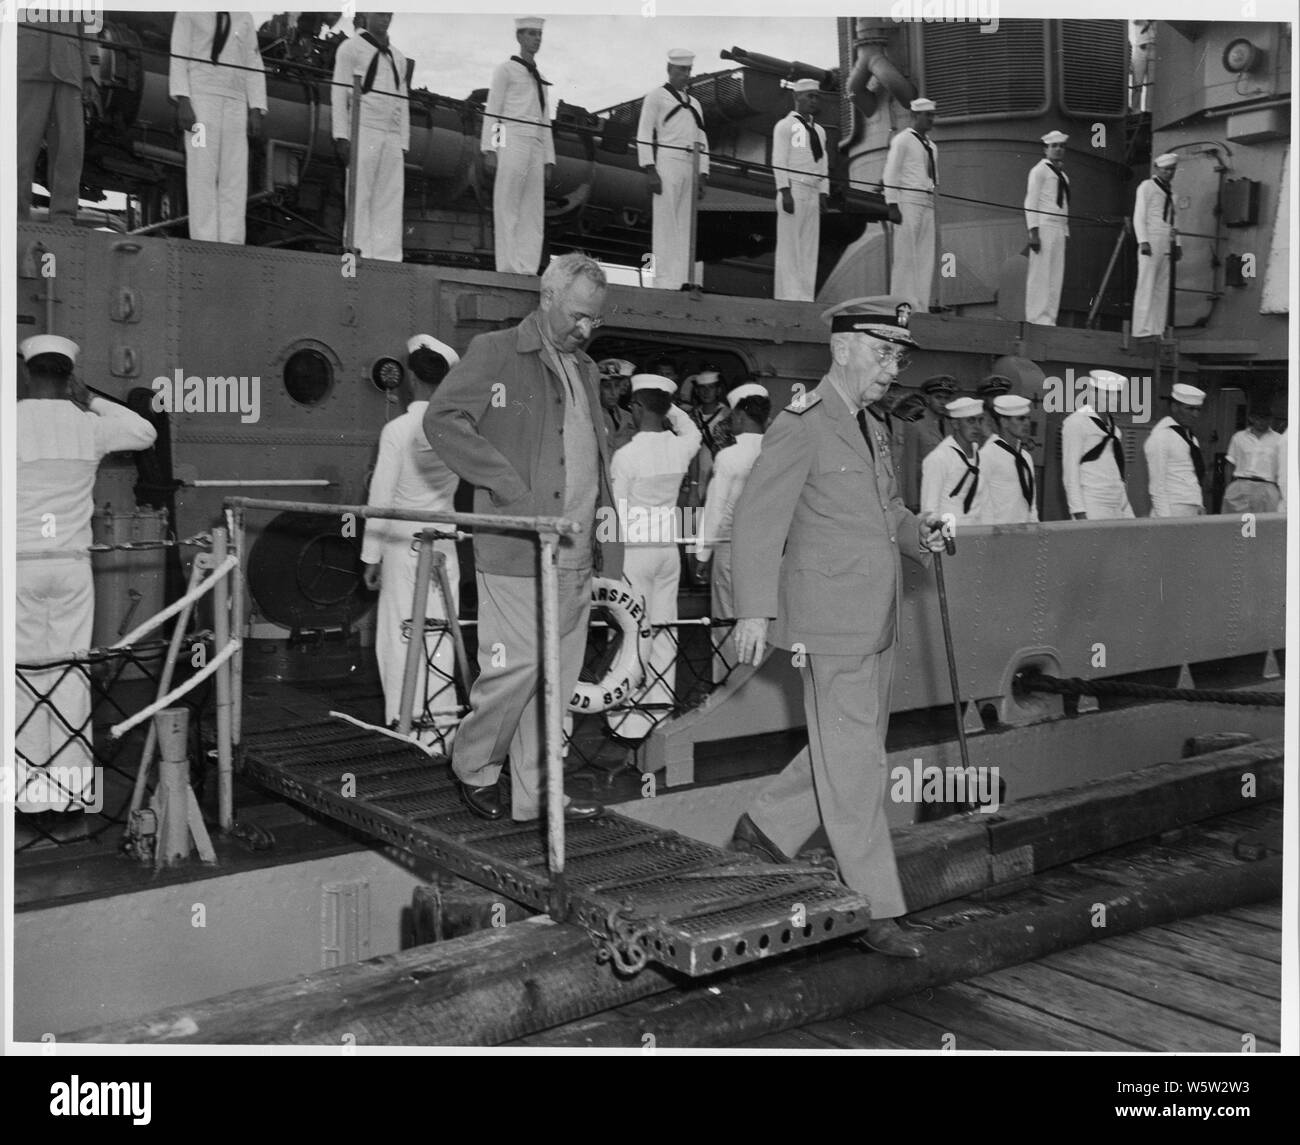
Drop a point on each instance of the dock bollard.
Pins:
(180, 823)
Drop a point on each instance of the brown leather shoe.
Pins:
(885, 936)
(748, 838)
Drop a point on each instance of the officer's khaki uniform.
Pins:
(816, 544)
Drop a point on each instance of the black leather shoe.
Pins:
(747, 837)
(580, 809)
(485, 802)
(885, 936)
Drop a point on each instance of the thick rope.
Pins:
(1077, 686)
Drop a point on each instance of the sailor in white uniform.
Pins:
(1007, 494)
(911, 177)
(751, 408)
(1092, 454)
(62, 434)
(646, 475)
(950, 475)
(519, 151)
(671, 124)
(385, 126)
(799, 162)
(409, 475)
(218, 85)
(1047, 210)
(1153, 227)
(1175, 466)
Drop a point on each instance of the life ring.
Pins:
(628, 611)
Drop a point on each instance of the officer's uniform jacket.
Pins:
(817, 534)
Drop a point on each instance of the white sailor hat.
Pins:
(29, 348)
(922, 105)
(883, 317)
(429, 342)
(1055, 137)
(1107, 381)
(709, 376)
(615, 368)
(1188, 395)
(805, 85)
(1009, 405)
(681, 57)
(529, 24)
(1168, 159)
(653, 382)
(964, 407)
(748, 390)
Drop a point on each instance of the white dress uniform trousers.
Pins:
(670, 125)
(409, 475)
(1094, 487)
(1171, 474)
(911, 174)
(1001, 499)
(730, 469)
(523, 149)
(1153, 221)
(385, 126)
(59, 449)
(798, 235)
(949, 477)
(1047, 205)
(646, 475)
(221, 94)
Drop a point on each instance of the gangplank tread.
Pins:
(668, 895)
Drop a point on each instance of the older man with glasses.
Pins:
(816, 542)
(520, 419)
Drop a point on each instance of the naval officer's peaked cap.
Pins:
(885, 317)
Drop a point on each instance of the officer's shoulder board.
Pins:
(803, 403)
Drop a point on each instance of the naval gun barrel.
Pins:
(786, 69)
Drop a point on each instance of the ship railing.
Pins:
(547, 530)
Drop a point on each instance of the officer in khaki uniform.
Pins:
(816, 542)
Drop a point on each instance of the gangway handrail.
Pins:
(548, 530)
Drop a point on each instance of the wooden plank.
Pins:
(973, 1014)
(1169, 986)
(889, 1028)
(791, 1040)
(1259, 914)
(1207, 959)
(1231, 934)
(1142, 1023)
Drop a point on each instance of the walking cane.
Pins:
(950, 546)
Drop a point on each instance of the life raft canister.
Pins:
(627, 610)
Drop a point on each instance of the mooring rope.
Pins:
(1077, 686)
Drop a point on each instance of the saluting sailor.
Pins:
(800, 168)
(751, 407)
(647, 474)
(1153, 227)
(816, 545)
(519, 151)
(410, 475)
(911, 176)
(923, 435)
(1092, 455)
(672, 123)
(950, 476)
(1047, 210)
(217, 82)
(1175, 466)
(380, 153)
(1008, 495)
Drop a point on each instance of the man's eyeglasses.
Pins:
(592, 323)
(894, 358)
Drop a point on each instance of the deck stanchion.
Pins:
(221, 638)
(238, 604)
(554, 715)
(415, 645)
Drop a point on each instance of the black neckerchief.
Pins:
(1107, 428)
(1024, 471)
(683, 101)
(929, 153)
(542, 84)
(220, 35)
(814, 141)
(1167, 214)
(972, 470)
(1062, 185)
(1198, 462)
(368, 83)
